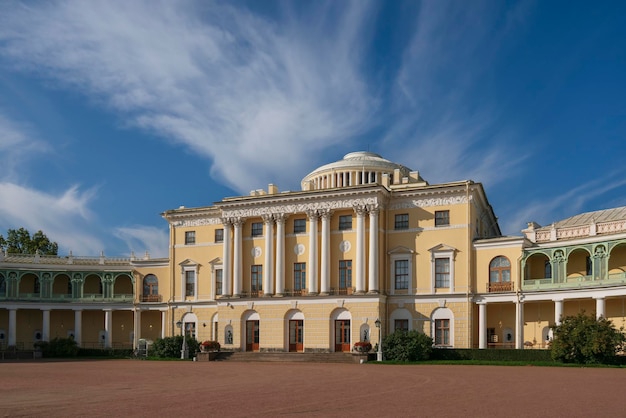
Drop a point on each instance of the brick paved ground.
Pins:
(136, 388)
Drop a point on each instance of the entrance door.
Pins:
(342, 335)
(252, 335)
(296, 329)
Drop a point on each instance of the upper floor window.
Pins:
(547, 269)
(190, 283)
(588, 266)
(401, 274)
(401, 221)
(3, 286)
(257, 229)
(500, 270)
(442, 272)
(442, 217)
(256, 279)
(150, 285)
(345, 222)
(299, 226)
(219, 235)
(219, 282)
(345, 274)
(190, 237)
(299, 276)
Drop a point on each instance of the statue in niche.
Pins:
(229, 337)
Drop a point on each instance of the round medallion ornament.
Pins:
(256, 252)
(344, 246)
(299, 249)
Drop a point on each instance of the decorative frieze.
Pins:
(197, 222)
(459, 199)
(320, 207)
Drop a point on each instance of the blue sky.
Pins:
(113, 112)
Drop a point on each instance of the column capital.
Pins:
(312, 214)
(325, 213)
(373, 209)
(360, 210)
(227, 221)
(280, 218)
(268, 218)
(237, 222)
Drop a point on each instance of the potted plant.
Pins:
(362, 346)
(208, 346)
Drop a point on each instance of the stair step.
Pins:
(289, 357)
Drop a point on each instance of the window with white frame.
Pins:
(345, 222)
(219, 282)
(299, 225)
(443, 327)
(190, 283)
(401, 274)
(442, 272)
(401, 221)
(257, 229)
(219, 235)
(442, 217)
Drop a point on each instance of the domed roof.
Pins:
(358, 161)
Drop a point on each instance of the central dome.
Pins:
(356, 168)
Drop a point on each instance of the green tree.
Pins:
(584, 339)
(169, 347)
(19, 241)
(407, 346)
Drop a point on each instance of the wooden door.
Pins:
(252, 335)
(342, 335)
(296, 330)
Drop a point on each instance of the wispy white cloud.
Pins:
(63, 217)
(145, 238)
(220, 80)
(16, 146)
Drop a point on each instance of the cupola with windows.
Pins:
(358, 169)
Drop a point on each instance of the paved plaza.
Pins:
(119, 388)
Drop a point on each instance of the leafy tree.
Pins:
(584, 339)
(407, 346)
(58, 347)
(19, 241)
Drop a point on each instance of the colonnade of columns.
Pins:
(345, 179)
(319, 255)
(519, 319)
(78, 325)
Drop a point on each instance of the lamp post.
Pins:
(183, 352)
(379, 353)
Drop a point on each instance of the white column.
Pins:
(136, 327)
(12, 327)
(46, 326)
(280, 254)
(312, 269)
(600, 307)
(268, 273)
(108, 327)
(519, 324)
(78, 326)
(227, 273)
(163, 316)
(482, 325)
(237, 259)
(373, 251)
(325, 268)
(558, 311)
(360, 249)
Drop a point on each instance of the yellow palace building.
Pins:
(365, 239)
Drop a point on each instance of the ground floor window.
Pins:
(442, 332)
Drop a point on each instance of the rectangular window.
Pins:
(442, 332)
(588, 266)
(401, 270)
(345, 222)
(219, 275)
(299, 277)
(219, 235)
(442, 217)
(257, 229)
(256, 279)
(190, 283)
(442, 272)
(190, 237)
(401, 325)
(299, 226)
(345, 274)
(401, 221)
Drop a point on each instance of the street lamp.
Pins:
(183, 352)
(379, 354)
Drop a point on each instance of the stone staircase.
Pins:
(289, 357)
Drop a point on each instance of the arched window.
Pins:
(3, 286)
(500, 270)
(150, 288)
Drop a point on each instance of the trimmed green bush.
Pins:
(407, 346)
(58, 347)
(452, 354)
(170, 347)
(584, 339)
